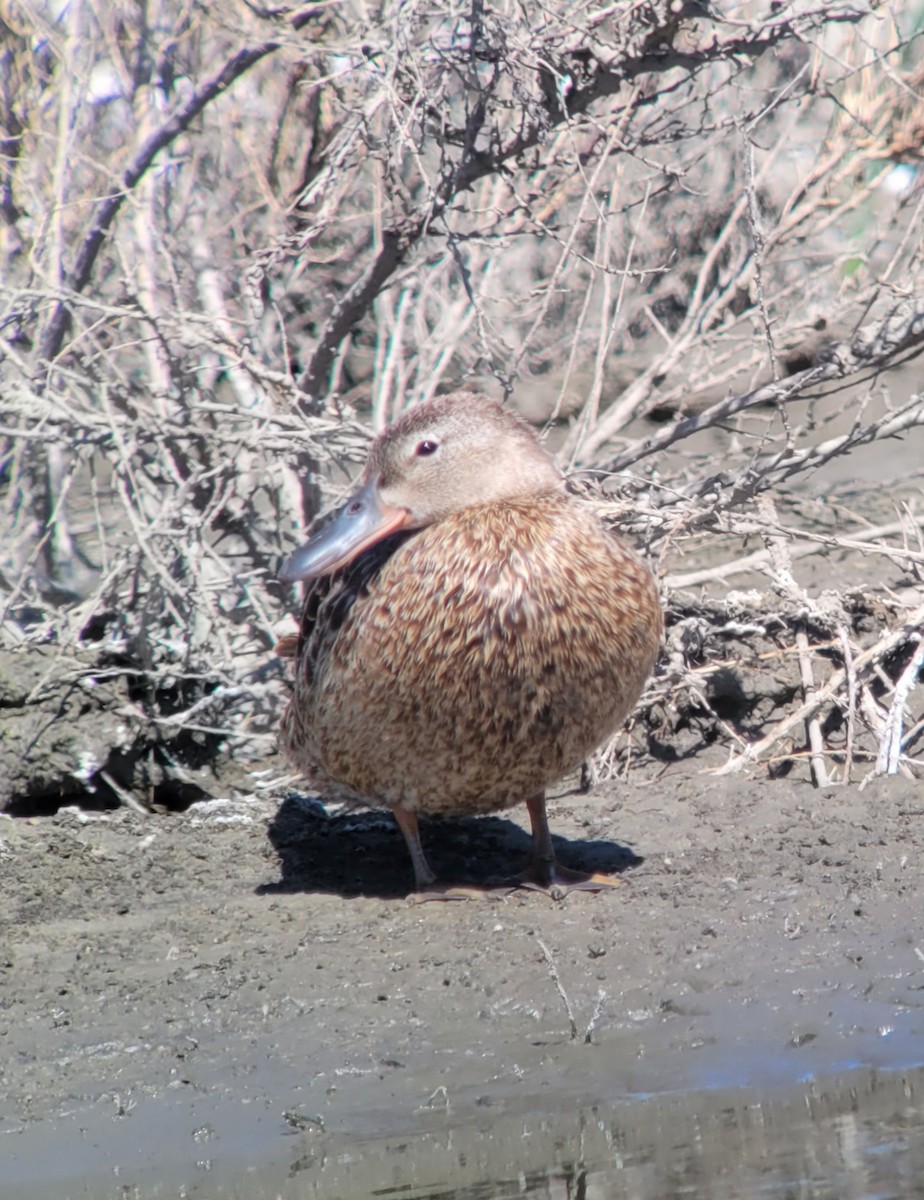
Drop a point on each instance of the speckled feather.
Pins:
(472, 663)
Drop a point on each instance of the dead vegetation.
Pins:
(687, 239)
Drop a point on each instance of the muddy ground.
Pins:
(247, 981)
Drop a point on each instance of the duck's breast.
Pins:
(485, 658)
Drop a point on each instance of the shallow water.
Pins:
(857, 1135)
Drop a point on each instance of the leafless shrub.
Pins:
(234, 239)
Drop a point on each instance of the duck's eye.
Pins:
(425, 448)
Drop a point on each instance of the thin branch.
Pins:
(900, 332)
(890, 747)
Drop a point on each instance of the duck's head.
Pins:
(452, 453)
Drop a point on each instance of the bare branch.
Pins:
(58, 323)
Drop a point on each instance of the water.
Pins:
(858, 1135)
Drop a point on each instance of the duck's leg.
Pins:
(425, 882)
(407, 823)
(543, 872)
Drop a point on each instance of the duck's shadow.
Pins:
(363, 853)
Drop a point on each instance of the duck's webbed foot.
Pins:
(544, 873)
(439, 891)
(551, 878)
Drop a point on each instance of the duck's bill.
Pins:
(363, 521)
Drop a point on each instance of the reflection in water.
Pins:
(857, 1136)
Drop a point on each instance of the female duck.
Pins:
(470, 634)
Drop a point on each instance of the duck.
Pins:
(470, 632)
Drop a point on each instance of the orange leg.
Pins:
(425, 883)
(543, 871)
(407, 823)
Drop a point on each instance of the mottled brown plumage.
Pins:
(470, 632)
